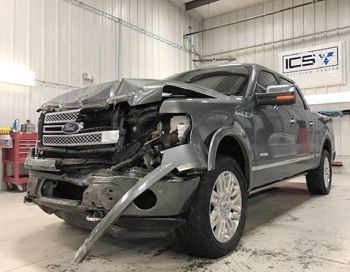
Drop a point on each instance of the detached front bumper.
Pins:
(100, 192)
(55, 191)
(171, 197)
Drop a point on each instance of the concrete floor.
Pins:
(287, 230)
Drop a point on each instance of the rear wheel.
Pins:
(216, 219)
(319, 180)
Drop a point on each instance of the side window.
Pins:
(285, 82)
(298, 100)
(264, 80)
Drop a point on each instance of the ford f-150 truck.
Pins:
(181, 153)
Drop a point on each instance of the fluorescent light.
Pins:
(11, 73)
(329, 98)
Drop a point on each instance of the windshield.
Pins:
(228, 80)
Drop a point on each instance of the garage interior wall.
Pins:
(323, 16)
(61, 39)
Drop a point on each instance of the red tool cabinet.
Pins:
(16, 156)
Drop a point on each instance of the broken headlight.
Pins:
(174, 130)
(181, 125)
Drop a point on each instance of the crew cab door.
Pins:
(275, 141)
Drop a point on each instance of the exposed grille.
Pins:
(53, 134)
(61, 117)
(101, 137)
(72, 140)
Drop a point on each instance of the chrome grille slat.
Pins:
(82, 139)
(61, 117)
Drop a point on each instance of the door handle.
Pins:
(292, 121)
(311, 124)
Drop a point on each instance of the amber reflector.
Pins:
(285, 97)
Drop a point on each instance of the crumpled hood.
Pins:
(134, 91)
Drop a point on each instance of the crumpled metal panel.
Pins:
(134, 91)
(172, 158)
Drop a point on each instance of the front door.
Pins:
(275, 131)
(305, 135)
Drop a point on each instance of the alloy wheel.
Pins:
(225, 206)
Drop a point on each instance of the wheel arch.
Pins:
(233, 143)
(327, 145)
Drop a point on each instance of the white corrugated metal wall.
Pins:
(322, 16)
(61, 39)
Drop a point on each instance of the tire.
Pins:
(196, 235)
(319, 180)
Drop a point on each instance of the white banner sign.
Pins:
(321, 65)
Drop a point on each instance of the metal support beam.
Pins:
(43, 82)
(119, 51)
(324, 32)
(190, 47)
(128, 25)
(253, 18)
(214, 59)
(198, 3)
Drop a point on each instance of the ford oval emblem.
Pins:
(72, 127)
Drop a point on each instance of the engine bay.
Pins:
(140, 134)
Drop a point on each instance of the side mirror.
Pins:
(277, 95)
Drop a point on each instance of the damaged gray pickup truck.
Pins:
(181, 153)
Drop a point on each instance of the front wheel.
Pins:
(217, 217)
(319, 180)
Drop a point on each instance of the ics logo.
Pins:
(310, 60)
(326, 58)
(300, 61)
